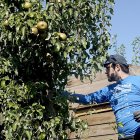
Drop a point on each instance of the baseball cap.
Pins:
(116, 59)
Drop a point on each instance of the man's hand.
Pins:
(69, 96)
(137, 116)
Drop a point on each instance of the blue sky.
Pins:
(126, 24)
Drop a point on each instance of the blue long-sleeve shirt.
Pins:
(124, 98)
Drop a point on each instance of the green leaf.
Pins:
(57, 46)
(13, 105)
(14, 126)
(76, 14)
(65, 54)
(120, 124)
(111, 11)
(42, 136)
(28, 134)
(84, 43)
(10, 36)
(23, 30)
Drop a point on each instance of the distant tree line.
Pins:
(122, 49)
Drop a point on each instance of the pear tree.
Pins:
(42, 43)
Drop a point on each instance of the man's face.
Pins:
(111, 73)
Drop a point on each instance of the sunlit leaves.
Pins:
(136, 51)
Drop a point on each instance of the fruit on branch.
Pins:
(34, 30)
(42, 26)
(27, 5)
(62, 36)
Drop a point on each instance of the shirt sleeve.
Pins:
(99, 96)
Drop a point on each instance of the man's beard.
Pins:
(113, 77)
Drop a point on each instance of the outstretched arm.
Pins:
(98, 97)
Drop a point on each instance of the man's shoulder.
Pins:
(135, 79)
(135, 76)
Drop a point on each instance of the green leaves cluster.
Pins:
(136, 51)
(122, 49)
(85, 23)
(35, 66)
(28, 114)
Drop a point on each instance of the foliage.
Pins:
(118, 49)
(36, 60)
(136, 51)
(122, 49)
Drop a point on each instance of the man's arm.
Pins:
(98, 97)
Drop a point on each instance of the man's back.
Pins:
(124, 97)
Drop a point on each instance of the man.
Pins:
(123, 95)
